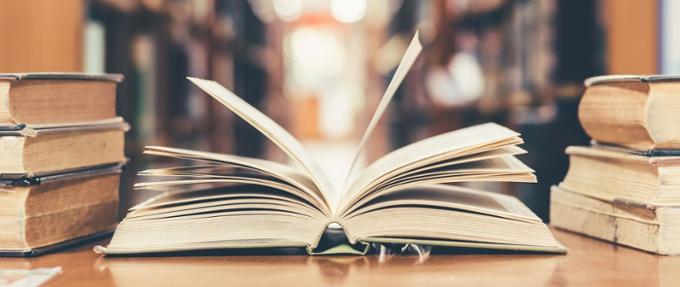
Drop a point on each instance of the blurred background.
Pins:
(319, 67)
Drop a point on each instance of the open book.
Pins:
(225, 201)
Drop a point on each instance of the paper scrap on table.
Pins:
(26, 277)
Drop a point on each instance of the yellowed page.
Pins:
(188, 181)
(412, 52)
(503, 151)
(284, 172)
(224, 205)
(270, 129)
(226, 193)
(364, 201)
(429, 151)
(508, 165)
(454, 197)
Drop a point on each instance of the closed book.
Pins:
(47, 213)
(615, 174)
(56, 99)
(649, 228)
(31, 152)
(634, 111)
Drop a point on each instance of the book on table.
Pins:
(622, 196)
(647, 227)
(45, 213)
(58, 122)
(223, 201)
(624, 188)
(62, 151)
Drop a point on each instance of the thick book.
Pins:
(52, 212)
(638, 112)
(56, 99)
(37, 151)
(614, 174)
(223, 201)
(652, 229)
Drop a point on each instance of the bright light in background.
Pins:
(316, 55)
(348, 11)
(317, 65)
(288, 10)
(336, 108)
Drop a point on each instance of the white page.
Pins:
(412, 52)
(286, 173)
(270, 129)
(428, 151)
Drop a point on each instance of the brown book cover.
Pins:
(56, 99)
(78, 176)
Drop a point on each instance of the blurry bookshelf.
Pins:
(156, 45)
(517, 63)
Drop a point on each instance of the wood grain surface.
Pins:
(589, 262)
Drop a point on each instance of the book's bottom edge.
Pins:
(209, 251)
(471, 246)
(38, 251)
(362, 247)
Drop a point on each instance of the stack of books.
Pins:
(625, 188)
(62, 148)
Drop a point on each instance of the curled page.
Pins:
(410, 56)
(268, 128)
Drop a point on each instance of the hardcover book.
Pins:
(56, 99)
(38, 151)
(650, 228)
(223, 201)
(47, 213)
(615, 174)
(638, 112)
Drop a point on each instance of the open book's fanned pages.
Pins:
(450, 216)
(223, 201)
(439, 153)
(223, 169)
(270, 129)
(410, 56)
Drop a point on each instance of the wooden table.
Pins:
(589, 262)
